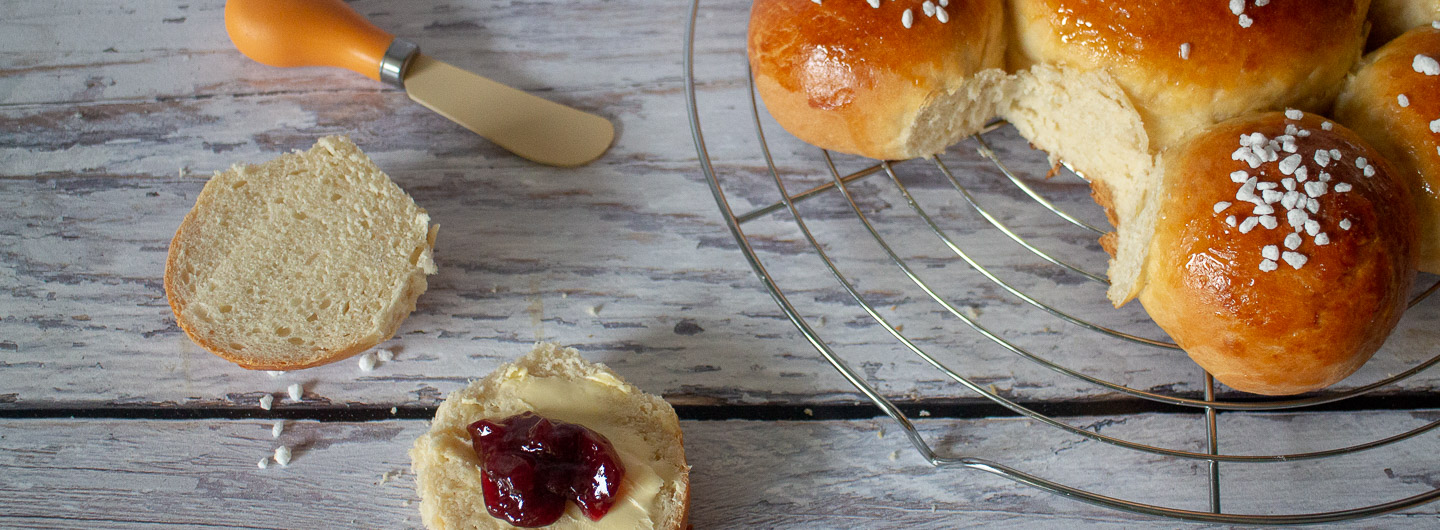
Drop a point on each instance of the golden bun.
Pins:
(1287, 326)
(1370, 104)
(1295, 53)
(848, 77)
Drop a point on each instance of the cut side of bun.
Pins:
(303, 260)
(1084, 120)
(558, 384)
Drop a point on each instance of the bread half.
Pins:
(303, 260)
(556, 383)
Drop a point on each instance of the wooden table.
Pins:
(113, 113)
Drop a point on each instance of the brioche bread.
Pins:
(1281, 261)
(1191, 64)
(558, 384)
(1084, 119)
(303, 260)
(858, 79)
(1393, 106)
(1390, 18)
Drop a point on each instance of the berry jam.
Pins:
(531, 465)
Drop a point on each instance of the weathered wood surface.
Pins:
(106, 135)
(112, 114)
(815, 474)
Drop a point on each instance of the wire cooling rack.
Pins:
(844, 185)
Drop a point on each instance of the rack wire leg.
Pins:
(1212, 444)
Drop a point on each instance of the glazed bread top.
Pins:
(1283, 276)
(854, 78)
(1192, 64)
(1391, 101)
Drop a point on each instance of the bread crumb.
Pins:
(809, 412)
(276, 429)
(880, 433)
(266, 401)
(296, 393)
(595, 310)
(384, 355)
(282, 456)
(264, 463)
(386, 476)
(924, 413)
(895, 455)
(275, 373)
(367, 361)
(394, 410)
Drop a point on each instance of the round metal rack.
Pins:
(843, 184)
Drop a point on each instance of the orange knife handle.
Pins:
(315, 33)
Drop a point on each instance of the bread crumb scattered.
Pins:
(266, 401)
(296, 393)
(264, 463)
(282, 456)
(385, 355)
(276, 429)
(595, 310)
(386, 476)
(367, 361)
(394, 410)
(275, 373)
(924, 413)
(809, 412)
(880, 433)
(895, 455)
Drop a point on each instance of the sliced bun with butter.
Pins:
(885, 79)
(558, 384)
(1390, 18)
(1393, 101)
(1283, 252)
(306, 259)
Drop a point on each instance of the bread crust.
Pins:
(1293, 329)
(1294, 54)
(1370, 105)
(190, 234)
(851, 78)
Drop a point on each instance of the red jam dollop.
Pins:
(531, 465)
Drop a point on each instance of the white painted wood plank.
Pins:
(122, 473)
(90, 193)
